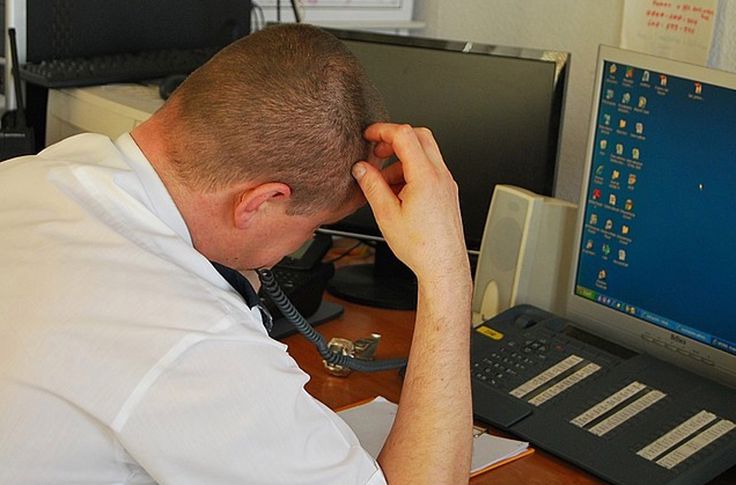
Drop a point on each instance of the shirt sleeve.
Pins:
(234, 410)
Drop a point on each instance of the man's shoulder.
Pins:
(82, 148)
(87, 149)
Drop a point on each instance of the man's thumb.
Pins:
(375, 188)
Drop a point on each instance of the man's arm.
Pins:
(415, 203)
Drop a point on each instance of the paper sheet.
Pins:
(677, 29)
(372, 421)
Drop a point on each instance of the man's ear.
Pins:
(254, 199)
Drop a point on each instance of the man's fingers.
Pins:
(429, 144)
(404, 142)
(377, 192)
(383, 150)
(394, 173)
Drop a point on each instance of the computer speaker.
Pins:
(525, 253)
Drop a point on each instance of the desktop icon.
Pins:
(635, 153)
(589, 244)
(609, 93)
(662, 80)
(606, 249)
(622, 255)
(642, 102)
(602, 274)
(619, 149)
(604, 144)
(628, 205)
(612, 199)
(596, 194)
(613, 68)
(645, 77)
(593, 219)
(632, 179)
(629, 72)
(624, 229)
(622, 123)
(698, 88)
(607, 119)
(599, 170)
(609, 224)
(639, 127)
(615, 175)
(626, 98)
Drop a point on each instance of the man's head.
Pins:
(256, 146)
(286, 104)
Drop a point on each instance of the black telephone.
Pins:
(293, 292)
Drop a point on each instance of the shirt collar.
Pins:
(161, 202)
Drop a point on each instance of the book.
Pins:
(371, 422)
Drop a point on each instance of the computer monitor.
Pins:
(58, 29)
(654, 256)
(496, 113)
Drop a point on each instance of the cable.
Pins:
(20, 112)
(287, 309)
(297, 16)
(345, 253)
(262, 15)
(257, 17)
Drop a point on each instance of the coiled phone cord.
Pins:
(271, 287)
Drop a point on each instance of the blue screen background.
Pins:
(680, 248)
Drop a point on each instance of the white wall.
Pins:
(723, 51)
(575, 26)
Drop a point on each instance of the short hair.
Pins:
(289, 104)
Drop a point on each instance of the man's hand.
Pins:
(414, 201)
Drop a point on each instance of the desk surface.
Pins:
(396, 329)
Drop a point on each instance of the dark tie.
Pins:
(241, 284)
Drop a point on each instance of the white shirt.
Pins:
(125, 357)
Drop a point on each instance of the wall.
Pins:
(723, 52)
(575, 26)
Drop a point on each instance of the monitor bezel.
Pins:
(609, 323)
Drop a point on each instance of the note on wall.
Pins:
(677, 29)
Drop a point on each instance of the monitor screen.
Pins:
(657, 223)
(495, 112)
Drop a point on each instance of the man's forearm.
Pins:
(432, 435)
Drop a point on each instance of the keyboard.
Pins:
(114, 68)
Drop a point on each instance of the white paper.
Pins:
(371, 423)
(677, 29)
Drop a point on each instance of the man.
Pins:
(126, 358)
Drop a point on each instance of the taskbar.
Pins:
(649, 317)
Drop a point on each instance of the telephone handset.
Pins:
(303, 277)
(338, 359)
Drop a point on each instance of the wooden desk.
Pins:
(396, 329)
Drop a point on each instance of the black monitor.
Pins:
(496, 113)
(58, 29)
